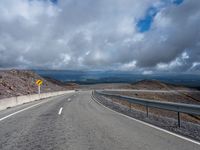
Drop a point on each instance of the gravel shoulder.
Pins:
(188, 129)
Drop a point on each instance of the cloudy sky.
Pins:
(132, 35)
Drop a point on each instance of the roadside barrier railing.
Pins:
(171, 106)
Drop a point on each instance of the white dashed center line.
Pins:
(60, 111)
(69, 99)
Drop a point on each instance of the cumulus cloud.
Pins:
(100, 34)
(175, 30)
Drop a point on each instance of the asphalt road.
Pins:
(77, 122)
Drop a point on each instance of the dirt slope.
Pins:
(156, 85)
(21, 82)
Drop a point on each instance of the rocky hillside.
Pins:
(140, 85)
(156, 85)
(20, 82)
(162, 92)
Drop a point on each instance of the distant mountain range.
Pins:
(93, 77)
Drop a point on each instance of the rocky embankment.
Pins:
(22, 82)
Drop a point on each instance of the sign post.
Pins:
(38, 89)
(39, 83)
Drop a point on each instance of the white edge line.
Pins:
(150, 125)
(1, 119)
(60, 111)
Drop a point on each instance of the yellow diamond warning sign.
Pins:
(39, 82)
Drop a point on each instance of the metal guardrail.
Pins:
(177, 107)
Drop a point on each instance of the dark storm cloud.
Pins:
(100, 34)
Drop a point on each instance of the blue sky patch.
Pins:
(144, 24)
(177, 1)
(54, 1)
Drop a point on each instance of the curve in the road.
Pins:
(83, 124)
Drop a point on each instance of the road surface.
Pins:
(77, 122)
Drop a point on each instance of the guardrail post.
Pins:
(171, 106)
(179, 121)
(147, 110)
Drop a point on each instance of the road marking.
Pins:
(21, 110)
(60, 111)
(150, 125)
(8, 116)
(69, 99)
